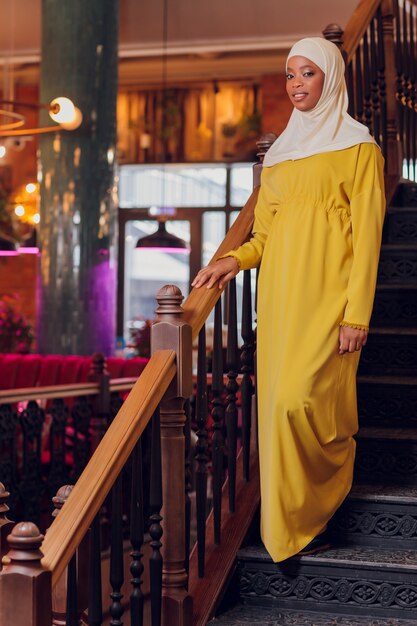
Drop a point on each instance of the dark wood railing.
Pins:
(185, 590)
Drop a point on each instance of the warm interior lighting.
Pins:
(30, 187)
(65, 113)
(61, 110)
(36, 218)
(2, 151)
(163, 241)
(20, 210)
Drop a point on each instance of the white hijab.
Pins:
(328, 126)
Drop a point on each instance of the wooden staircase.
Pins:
(369, 576)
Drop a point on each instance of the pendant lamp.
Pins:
(162, 241)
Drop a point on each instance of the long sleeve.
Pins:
(367, 207)
(249, 254)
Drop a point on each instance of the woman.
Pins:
(317, 229)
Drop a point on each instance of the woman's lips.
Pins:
(299, 96)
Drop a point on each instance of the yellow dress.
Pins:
(317, 228)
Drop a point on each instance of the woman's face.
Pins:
(304, 83)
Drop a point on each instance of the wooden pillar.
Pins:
(393, 149)
(170, 332)
(25, 586)
(77, 231)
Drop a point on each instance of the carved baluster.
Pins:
(393, 148)
(201, 450)
(32, 486)
(367, 83)
(8, 425)
(25, 586)
(217, 414)
(232, 365)
(263, 146)
(155, 529)
(350, 88)
(136, 537)
(116, 554)
(381, 77)
(58, 473)
(81, 417)
(246, 387)
(6, 525)
(399, 69)
(170, 332)
(358, 85)
(59, 592)
(101, 403)
(376, 112)
(189, 458)
(95, 601)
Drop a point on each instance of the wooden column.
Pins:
(25, 586)
(393, 148)
(169, 331)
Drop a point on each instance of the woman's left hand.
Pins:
(351, 339)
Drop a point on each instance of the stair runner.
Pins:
(369, 576)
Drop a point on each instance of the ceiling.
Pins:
(203, 37)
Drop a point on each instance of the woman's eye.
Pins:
(308, 74)
(289, 76)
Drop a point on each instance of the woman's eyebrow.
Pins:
(303, 67)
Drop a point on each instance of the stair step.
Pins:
(353, 580)
(386, 455)
(247, 615)
(405, 196)
(375, 513)
(390, 351)
(387, 400)
(401, 225)
(398, 264)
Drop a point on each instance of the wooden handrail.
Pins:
(358, 24)
(49, 393)
(201, 301)
(77, 514)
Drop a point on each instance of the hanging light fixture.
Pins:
(162, 240)
(61, 110)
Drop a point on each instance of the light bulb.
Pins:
(62, 110)
(36, 218)
(75, 122)
(30, 187)
(20, 210)
(2, 151)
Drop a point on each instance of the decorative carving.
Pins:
(402, 227)
(252, 615)
(395, 308)
(394, 267)
(381, 459)
(377, 403)
(8, 424)
(31, 485)
(329, 589)
(375, 523)
(386, 354)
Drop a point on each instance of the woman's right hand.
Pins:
(220, 272)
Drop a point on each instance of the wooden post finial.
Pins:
(98, 364)
(25, 541)
(334, 33)
(169, 299)
(263, 145)
(61, 497)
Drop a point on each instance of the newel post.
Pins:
(263, 145)
(171, 332)
(25, 586)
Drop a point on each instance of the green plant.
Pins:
(16, 334)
